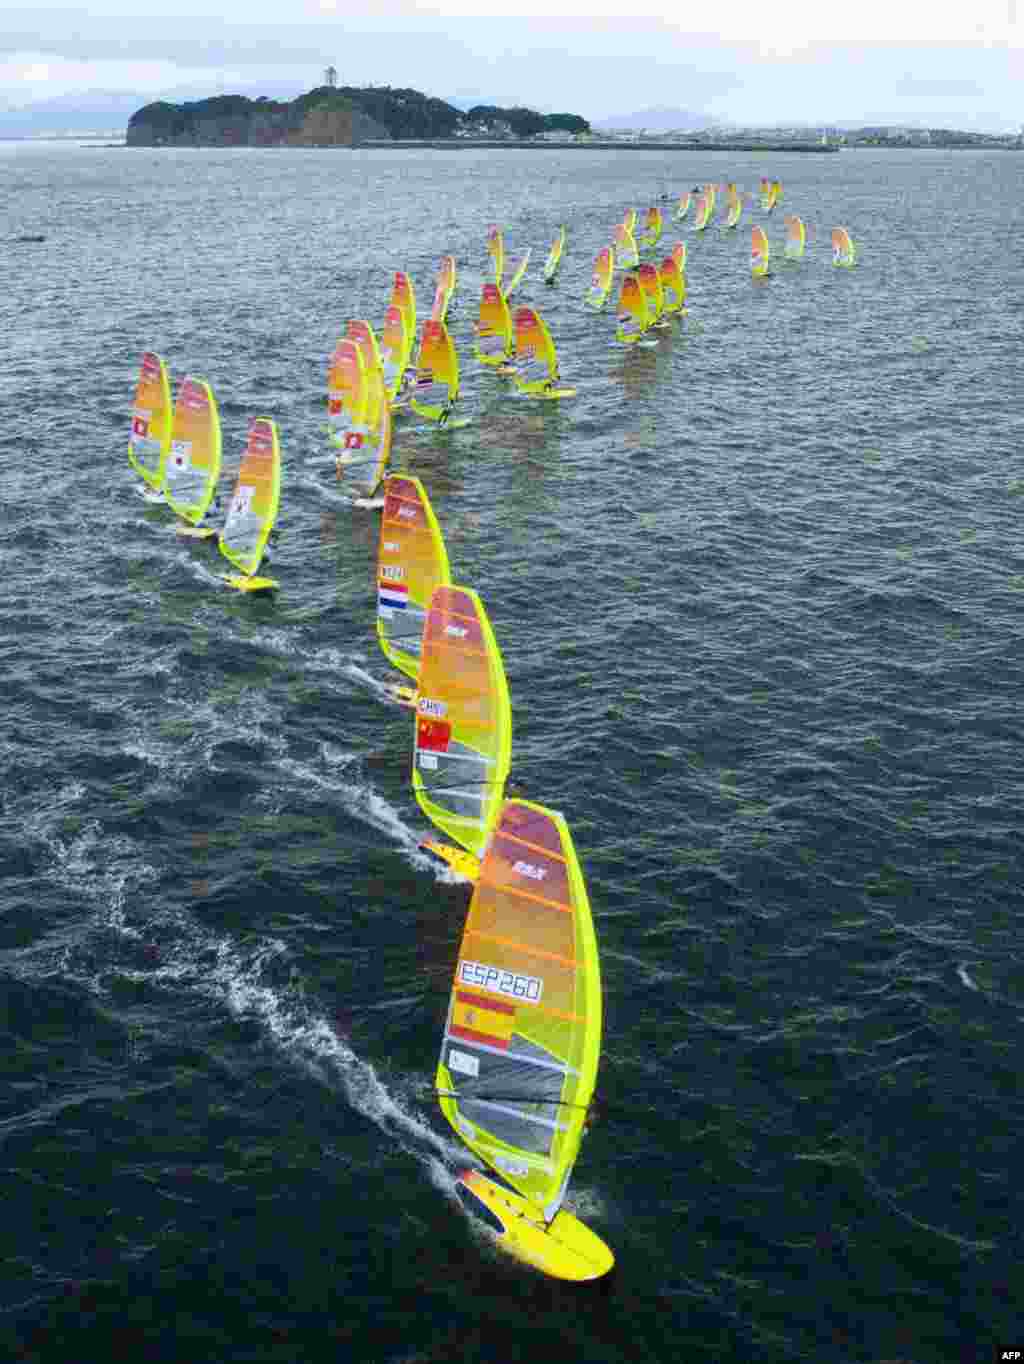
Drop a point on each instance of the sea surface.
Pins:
(760, 595)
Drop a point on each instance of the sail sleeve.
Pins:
(463, 735)
(193, 466)
(411, 563)
(253, 507)
(150, 440)
(523, 1033)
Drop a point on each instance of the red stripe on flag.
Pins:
(471, 1035)
(497, 1006)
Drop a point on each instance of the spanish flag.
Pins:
(478, 1018)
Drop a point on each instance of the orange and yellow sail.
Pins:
(650, 282)
(193, 466)
(554, 257)
(437, 374)
(631, 319)
(152, 418)
(403, 296)
(446, 276)
(627, 257)
(774, 194)
(253, 508)
(493, 343)
(796, 237)
(536, 360)
(412, 563)
(395, 350)
(702, 213)
(601, 279)
(463, 737)
(733, 206)
(844, 252)
(516, 278)
(346, 395)
(650, 234)
(496, 251)
(522, 1038)
(673, 285)
(759, 251)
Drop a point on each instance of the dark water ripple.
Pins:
(759, 595)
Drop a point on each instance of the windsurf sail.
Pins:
(650, 283)
(403, 296)
(253, 508)
(365, 450)
(536, 360)
(152, 417)
(673, 285)
(522, 1039)
(437, 374)
(653, 227)
(758, 251)
(734, 208)
(702, 214)
(193, 466)
(554, 257)
(764, 191)
(629, 221)
(518, 273)
(844, 252)
(631, 320)
(493, 328)
(346, 392)
(627, 257)
(445, 289)
(712, 192)
(601, 279)
(395, 349)
(496, 251)
(774, 194)
(463, 741)
(679, 255)
(683, 206)
(411, 563)
(362, 334)
(796, 237)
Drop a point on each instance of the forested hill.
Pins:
(329, 116)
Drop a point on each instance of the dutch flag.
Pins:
(391, 597)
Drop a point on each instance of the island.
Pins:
(333, 116)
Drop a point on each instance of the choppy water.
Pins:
(759, 593)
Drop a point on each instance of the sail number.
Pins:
(527, 988)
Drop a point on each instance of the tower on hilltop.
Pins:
(331, 77)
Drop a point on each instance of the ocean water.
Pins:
(759, 592)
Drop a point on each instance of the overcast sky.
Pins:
(798, 60)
